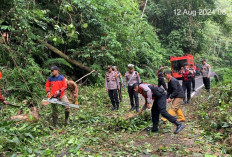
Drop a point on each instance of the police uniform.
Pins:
(206, 71)
(186, 84)
(120, 84)
(150, 92)
(112, 84)
(161, 78)
(193, 77)
(130, 79)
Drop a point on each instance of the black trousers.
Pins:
(113, 94)
(187, 86)
(206, 82)
(193, 83)
(159, 107)
(120, 91)
(162, 82)
(133, 95)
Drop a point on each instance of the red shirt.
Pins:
(1, 97)
(54, 84)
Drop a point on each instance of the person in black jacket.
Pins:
(151, 92)
(161, 81)
(175, 94)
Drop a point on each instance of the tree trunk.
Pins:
(61, 54)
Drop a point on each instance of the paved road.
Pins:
(198, 83)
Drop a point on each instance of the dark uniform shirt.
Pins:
(174, 89)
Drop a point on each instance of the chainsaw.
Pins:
(53, 100)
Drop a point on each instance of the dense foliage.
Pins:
(97, 33)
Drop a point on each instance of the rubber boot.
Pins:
(132, 108)
(180, 115)
(66, 117)
(155, 128)
(171, 112)
(117, 107)
(188, 101)
(137, 109)
(179, 127)
(55, 120)
(113, 108)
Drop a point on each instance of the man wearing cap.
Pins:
(175, 94)
(150, 92)
(193, 76)
(112, 87)
(2, 99)
(206, 71)
(120, 80)
(161, 77)
(132, 77)
(55, 87)
(186, 84)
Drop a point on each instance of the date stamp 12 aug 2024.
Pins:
(201, 12)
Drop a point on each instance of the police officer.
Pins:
(175, 94)
(206, 71)
(186, 84)
(120, 82)
(132, 77)
(150, 92)
(56, 86)
(161, 77)
(112, 87)
(193, 76)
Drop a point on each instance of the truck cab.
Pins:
(178, 62)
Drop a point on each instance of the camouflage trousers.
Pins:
(55, 107)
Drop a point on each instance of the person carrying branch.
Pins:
(72, 92)
(158, 94)
(55, 87)
(112, 87)
(2, 99)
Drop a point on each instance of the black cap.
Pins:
(191, 64)
(203, 60)
(186, 63)
(54, 68)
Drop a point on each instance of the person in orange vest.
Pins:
(55, 87)
(150, 93)
(2, 99)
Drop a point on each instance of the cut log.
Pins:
(61, 54)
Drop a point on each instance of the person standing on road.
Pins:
(132, 77)
(175, 94)
(150, 92)
(193, 76)
(120, 82)
(186, 84)
(161, 77)
(206, 71)
(112, 87)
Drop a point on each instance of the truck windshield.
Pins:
(176, 65)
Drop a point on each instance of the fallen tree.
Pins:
(61, 54)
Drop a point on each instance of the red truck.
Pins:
(178, 62)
